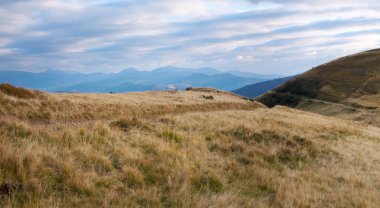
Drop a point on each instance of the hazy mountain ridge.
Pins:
(47, 80)
(254, 90)
(130, 79)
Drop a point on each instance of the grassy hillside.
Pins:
(60, 107)
(199, 148)
(350, 85)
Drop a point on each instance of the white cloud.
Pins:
(111, 35)
(245, 58)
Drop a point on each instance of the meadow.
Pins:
(197, 148)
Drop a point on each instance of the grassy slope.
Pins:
(90, 152)
(352, 82)
(43, 107)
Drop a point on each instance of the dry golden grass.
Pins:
(74, 107)
(225, 152)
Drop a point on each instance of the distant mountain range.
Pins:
(257, 89)
(131, 79)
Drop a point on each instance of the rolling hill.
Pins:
(194, 148)
(254, 90)
(348, 87)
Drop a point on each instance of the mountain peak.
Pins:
(128, 70)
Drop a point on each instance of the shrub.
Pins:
(291, 93)
(208, 97)
(304, 87)
(275, 98)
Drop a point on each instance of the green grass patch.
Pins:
(16, 130)
(133, 178)
(207, 183)
(249, 136)
(128, 124)
(171, 136)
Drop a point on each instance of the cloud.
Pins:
(284, 37)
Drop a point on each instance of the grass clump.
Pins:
(16, 91)
(127, 125)
(153, 174)
(132, 177)
(287, 151)
(16, 130)
(207, 183)
(171, 136)
(248, 136)
(293, 158)
(213, 147)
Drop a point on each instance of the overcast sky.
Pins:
(272, 37)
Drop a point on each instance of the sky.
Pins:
(268, 37)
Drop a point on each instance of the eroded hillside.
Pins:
(136, 153)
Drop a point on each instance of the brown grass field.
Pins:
(161, 149)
